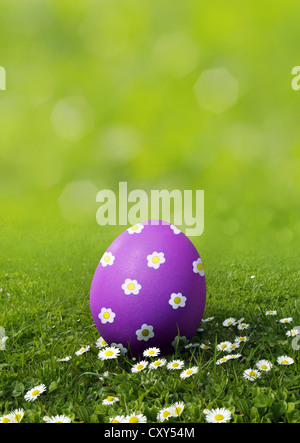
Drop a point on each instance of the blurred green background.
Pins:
(163, 94)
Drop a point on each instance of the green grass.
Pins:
(45, 312)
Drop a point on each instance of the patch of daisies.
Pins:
(115, 350)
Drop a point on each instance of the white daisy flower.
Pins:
(175, 364)
(240, 339)
(131, 287)
(234, 356)
(117, 419)
(222, 360)
(155, 259)
(122, 348)
(264, 365)
(17, 415)
(151, 352)
(204, 346)
(286, 320)
(251, 374)
(109, 352)
(35, 392)
(293, 332)
(110, 400)
(57, 419)
(219, 415)
(175, 230)
(198, 267)
(191, 345)
(135, 418)
(189, 372)
(229, 322)
(82, 350)
(285, 361)
(68, 358)
(135, 229)
(200, 330)
(8, 418)
(179, 341)
(145, 332)
(234, 346)
(106, 315)
(107, 259)
(177, 300)
(224, 346)
(139, 366)
(271, 312)
(242, 326)
(177, 408)
(100, 343)
(158, 363)
(164, 414)
(205, 320)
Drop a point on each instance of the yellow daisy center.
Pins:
(252, 373)
(35, 392)
(229, 323)
(108, 353)
(286, 321)
(106, 315)
(58, 422)
(175, 365)
(177, 410)
(285, 362)
(157, 363)
(139, 367)
(130, 286)
(109, 398)
(219, 417)
(6, 420)
(177, 300)
(151, 352)
(223, 359)
(165, 414)
(264, 367)
(18, 417)
(155, 259)
(223, 346)
(133, 420)
(115, 421)
(134, 228)
(145, 332)
(205, 347)
(189, 372)
(200, 266)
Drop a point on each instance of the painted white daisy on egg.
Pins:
(122, 348)
(155, 259)
(106, 315)
(179, 341)
(177, 300)
(135, 229)
(107, 259)
(145, 332)
(131, 287)
(198, 267)
(175, 230)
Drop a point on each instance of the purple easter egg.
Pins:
(149, 289)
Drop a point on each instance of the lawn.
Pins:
(45, 312)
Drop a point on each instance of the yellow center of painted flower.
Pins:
(177, 300)
(219, 417)
(252, 373)
(145, 332)
(133, 420)
(134, 228)
(155, 259)
(264, 367)
(106, 315)
(107, 258)
(108, 353)
(165, 414)
(35, 392)
(109, 398)
(130, 286)
(200, 266)
(285, 362)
